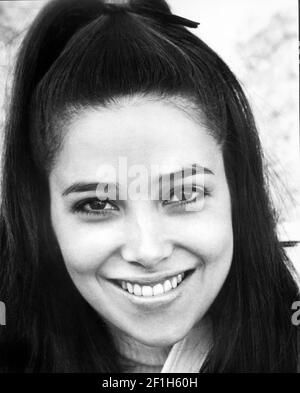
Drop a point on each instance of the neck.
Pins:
(136, 356)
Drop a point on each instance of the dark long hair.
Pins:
(80, 53)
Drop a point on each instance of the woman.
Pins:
(97, 283)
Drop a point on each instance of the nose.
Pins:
(146, 241)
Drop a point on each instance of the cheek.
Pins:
(216, 240)
(215, 230)
(84, 247)
(209, 236)
(211, 241)
(85, 250)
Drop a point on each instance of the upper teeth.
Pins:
(157, 289)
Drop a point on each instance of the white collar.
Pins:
(188, 354)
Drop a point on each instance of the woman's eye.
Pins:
(186, 196)
(95, 207)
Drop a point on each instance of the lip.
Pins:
(152, 302)
(151, 279)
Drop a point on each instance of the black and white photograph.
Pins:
(149, 188)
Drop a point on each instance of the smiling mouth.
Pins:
(153, 289)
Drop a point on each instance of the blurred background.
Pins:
(258, 39)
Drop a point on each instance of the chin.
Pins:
(157, 339)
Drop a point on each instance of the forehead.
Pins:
(144, 132)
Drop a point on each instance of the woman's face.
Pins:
(143, 243)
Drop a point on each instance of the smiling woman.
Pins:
(98, 273)
(142, 245)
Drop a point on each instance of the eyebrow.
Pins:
(191, 170)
